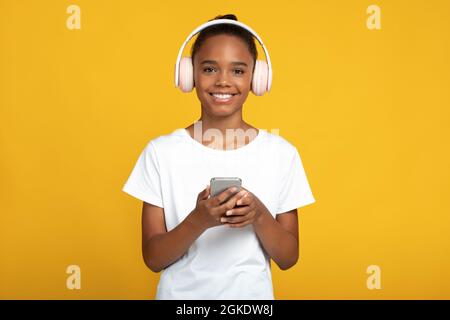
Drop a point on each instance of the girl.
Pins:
(219, 247)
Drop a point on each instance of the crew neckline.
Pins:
(249, 145)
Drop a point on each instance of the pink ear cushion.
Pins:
(186, 76)
(259, 81)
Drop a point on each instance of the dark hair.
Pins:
(229, 29)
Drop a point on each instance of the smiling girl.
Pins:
(219, 247)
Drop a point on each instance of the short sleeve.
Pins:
(144, 181)
(295, 191)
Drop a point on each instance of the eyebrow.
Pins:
(239, 63)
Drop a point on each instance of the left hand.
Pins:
(247, 210)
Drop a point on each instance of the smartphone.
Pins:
(220, 184)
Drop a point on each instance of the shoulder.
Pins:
(165, 142)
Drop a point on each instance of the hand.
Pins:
(208, 211)
(251, 208)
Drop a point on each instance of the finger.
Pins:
(204, 193)
(226, 194)
(207, 191)
(243, 201)
(241, 211)
(234, 219)
(239, 225)
(228, 204)
(231, 203)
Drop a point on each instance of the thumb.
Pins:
(204, 194)
(207, 191)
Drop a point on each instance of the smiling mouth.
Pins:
(222, 97)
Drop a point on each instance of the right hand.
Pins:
(208, 211)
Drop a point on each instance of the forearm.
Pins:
(164, 249)
(279, 243)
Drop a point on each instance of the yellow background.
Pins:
(367, 109)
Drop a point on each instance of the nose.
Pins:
(222, 79)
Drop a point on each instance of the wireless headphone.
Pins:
(184, 70)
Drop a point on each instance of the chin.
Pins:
(222, 111)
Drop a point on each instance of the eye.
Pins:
(240, 71)
(207, 68)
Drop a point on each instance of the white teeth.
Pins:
(222, 96)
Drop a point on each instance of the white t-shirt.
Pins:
(223, 263)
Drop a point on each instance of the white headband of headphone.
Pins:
(223, 21)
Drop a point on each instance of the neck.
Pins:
(233, 121)
(224, 133)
